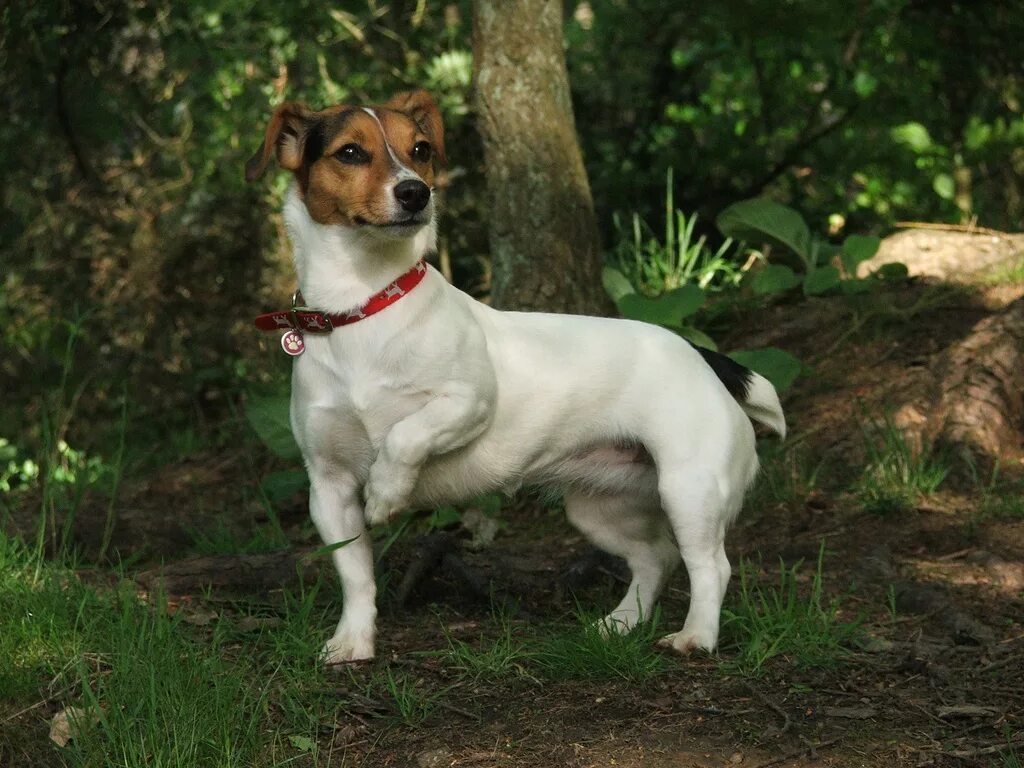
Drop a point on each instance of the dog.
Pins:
(418, 395)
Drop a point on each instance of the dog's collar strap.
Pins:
(304, 319)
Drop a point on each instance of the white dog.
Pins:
(418, 395)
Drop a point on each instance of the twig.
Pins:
(786, 723)
(457, 710)
(1001, 663)
(796, 753)
(989, 750)
(969, 228)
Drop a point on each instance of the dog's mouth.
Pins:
(412, 221)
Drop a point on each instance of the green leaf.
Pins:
(698, 337)
(268, 416)
(821, 280)
(615, 283)
(776, 365)
(824, 252)
(443, 517)
(913, 135)
(775, 278)
(856, 286)
(894, 271)
(279, 486)
(864, 84)
(761, 220)
(668, 309)
(330, 548)
(857, 248)
(302, 743)
(944, 186)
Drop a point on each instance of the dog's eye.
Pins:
(352, 154)
(421, 151)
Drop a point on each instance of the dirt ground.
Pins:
(937, 678)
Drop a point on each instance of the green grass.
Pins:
(586, 652)
(787, 478)
(765, 621)
(896, 476)
(219, 538)
(559, 653)
(158, 692)
(412, 703)
(491, 658)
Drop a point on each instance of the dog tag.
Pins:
(292, 343)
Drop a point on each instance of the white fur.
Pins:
(439, 398)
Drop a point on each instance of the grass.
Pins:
(500, 657)
(765, 621)
(655, 266)
(219, 538)
(581, 652)
(787, 479)
(155, 690)
(897, 476)
(586, 652)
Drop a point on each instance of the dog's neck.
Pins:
(339, 268)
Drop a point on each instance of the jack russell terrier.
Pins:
(406, 392)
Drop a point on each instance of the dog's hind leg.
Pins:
(699, 507)
(338, 516)
(634, 528)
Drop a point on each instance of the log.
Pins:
(979, 410)
(245, 573)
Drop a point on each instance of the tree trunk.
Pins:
(543, 232)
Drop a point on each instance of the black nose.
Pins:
(413, 195)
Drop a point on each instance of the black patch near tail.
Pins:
(736, 377)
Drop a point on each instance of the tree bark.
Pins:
(543, 233)
(980, 406)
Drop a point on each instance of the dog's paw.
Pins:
(379, 508)
(686, 642)
(347, 645)
(385, 495)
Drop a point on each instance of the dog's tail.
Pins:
(755, 394)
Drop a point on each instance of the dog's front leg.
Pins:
(450, 420)
(338, 516)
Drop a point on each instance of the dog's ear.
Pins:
(286, 134)
(420, 106)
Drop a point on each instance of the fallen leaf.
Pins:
(302, 743)
(67, 723)
(199, 617)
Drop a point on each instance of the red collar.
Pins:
(303, 319)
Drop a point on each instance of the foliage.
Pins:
(870, 114)
(667, 284)
(763, 221)
(656, 267)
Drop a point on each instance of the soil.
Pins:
(936, 678)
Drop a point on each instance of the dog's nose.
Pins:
(412, 194)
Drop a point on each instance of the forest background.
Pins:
(126, 221)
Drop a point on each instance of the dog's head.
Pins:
(371, 168)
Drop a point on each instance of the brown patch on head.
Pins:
(341, 160)
(420, 106)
